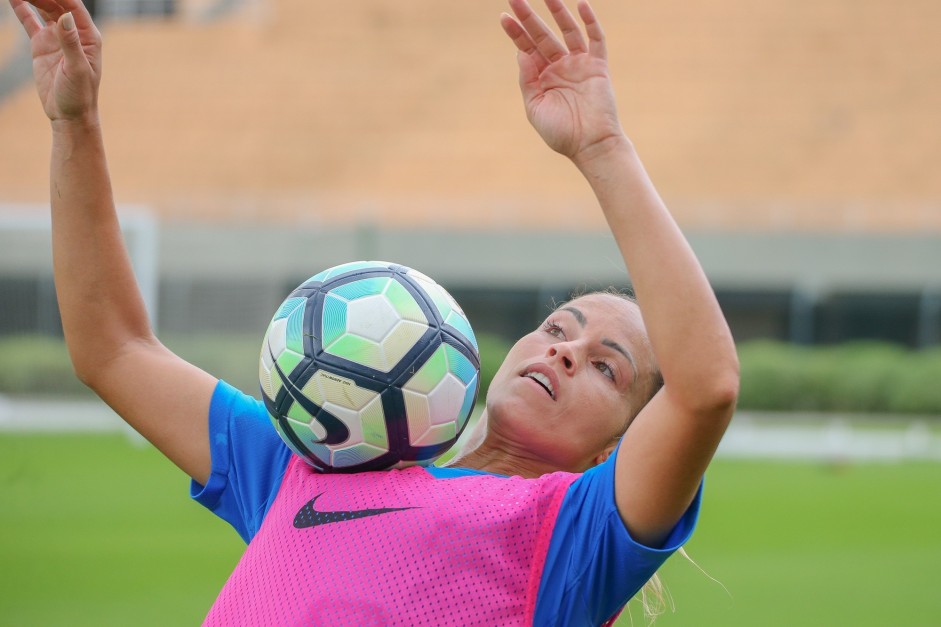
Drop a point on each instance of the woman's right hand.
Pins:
(66, 50)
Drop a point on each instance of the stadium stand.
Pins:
(781, 134)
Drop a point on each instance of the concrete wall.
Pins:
(762, 275)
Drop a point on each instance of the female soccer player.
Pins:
(599, 425)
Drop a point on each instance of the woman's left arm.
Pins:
(663, 455)
(569, 100)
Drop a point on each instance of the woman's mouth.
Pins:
(542, 380)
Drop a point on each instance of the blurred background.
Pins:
(253, 143)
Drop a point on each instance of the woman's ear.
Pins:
(603, 456)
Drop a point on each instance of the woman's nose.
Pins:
(564, 353)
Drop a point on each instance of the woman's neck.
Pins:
(492, 457)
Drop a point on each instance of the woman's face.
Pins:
(566, 391)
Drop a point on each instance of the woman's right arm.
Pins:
(110, 340)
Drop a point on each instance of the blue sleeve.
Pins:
(248, 461)
(593, 566)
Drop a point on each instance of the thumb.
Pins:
(529, 71)
(69, 40)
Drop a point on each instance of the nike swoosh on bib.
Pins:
(307, 516)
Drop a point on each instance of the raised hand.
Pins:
(66, 49)
(565, 84)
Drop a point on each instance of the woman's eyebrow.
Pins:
(582, 321)
(623, 351)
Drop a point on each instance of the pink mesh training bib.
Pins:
(395, 548)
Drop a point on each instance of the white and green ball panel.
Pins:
(440, 397)
(350, 312)
(448, 308)
(373, 322)
(284, 344)
(332, 422)
(360, 411)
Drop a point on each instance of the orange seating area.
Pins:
(750, 115)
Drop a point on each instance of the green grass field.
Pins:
(95, 530)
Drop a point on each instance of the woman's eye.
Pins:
(605, 369)
(553, 329)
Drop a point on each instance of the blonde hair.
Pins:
(654, 598)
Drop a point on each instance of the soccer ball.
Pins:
(367, 366)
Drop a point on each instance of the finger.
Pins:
(596, 43)
(538, 31)
(52, 10)
(571, 33)
(27, 17)
(48, 18)
(48, 9)
(78, 10)
(523, 42)
(71, 44)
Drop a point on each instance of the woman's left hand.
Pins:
(565, 84)
(66, 51)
